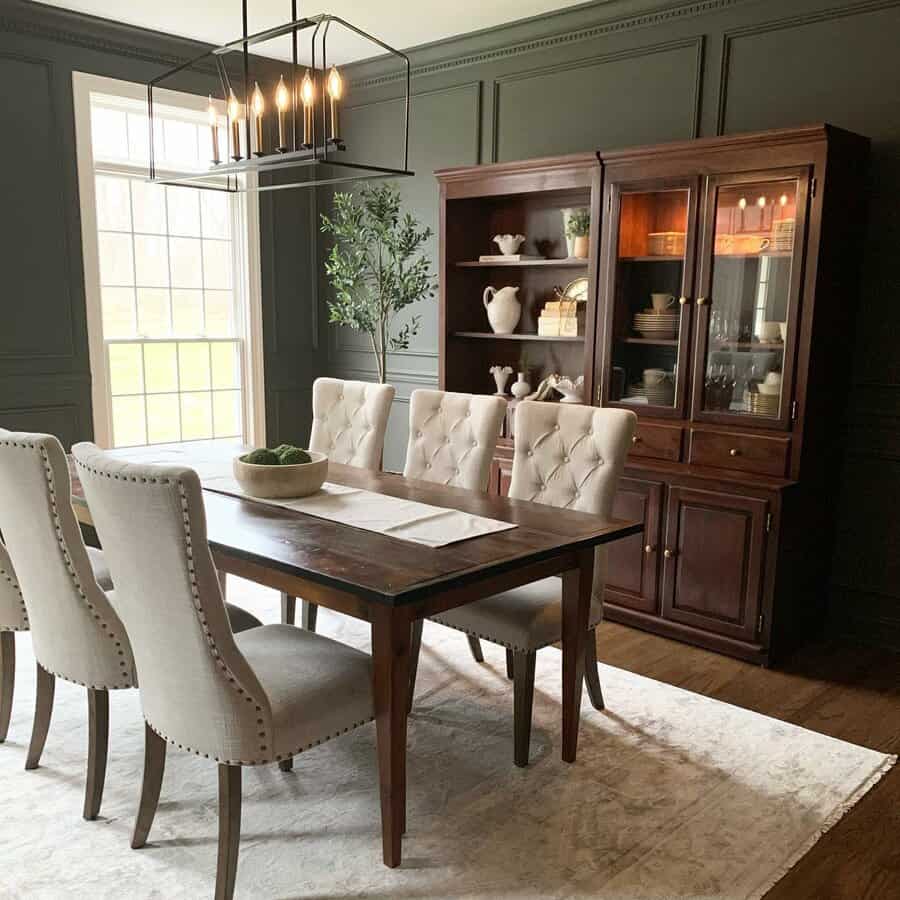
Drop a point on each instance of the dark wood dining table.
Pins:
(390, 583)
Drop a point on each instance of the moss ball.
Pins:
(282, 447)
(261, 457)
(294, 456)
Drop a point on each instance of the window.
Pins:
(171, 277)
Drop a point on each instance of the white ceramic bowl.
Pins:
(769, 389)
(282, 482)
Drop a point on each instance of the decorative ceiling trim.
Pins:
(603, 28)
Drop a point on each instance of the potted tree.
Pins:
(377, 268)
(578, 227)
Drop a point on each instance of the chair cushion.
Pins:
(525, 618)
(240, 619)
(317, 688)
(101, 569)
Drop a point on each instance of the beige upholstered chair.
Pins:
(570, 456)
(76, 633)
(349, 423)
(240, 700)
(13, 618)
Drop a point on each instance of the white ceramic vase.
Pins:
(503, 309)
(501, 376)
(570, 241)
(521, 388)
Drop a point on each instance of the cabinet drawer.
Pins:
(657, 442)
(748, 453)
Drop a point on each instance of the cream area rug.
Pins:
(674, 795)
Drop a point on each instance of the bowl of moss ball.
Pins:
(282, 473)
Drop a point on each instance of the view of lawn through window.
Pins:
(168, 284)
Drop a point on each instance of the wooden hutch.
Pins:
(751, 244)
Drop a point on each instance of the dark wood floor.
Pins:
(845, 690)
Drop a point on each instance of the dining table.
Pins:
(390, 582)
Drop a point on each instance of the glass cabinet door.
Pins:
(751, 265)
(650, 239)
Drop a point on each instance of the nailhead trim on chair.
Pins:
(15, 586)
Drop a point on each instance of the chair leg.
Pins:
(154, 766)
(7, 679)
(415, 644)
(229, 830)
(509, 664)
(288, 609)
(308, 614)
(475, 647)
(591, 672)
(43, 709)
(523, 698)
(98, 744)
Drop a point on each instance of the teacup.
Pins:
(654, 376)
(661, 302)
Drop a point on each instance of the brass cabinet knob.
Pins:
(635, 439)
(734, 452)
(668, 554)
(649, 548)
(683, 300)
(701, 301)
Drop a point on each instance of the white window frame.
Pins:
(245, 238)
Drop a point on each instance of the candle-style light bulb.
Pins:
(308, 98)
(761, 202)
(214, 130)
(258, 104)
(282, 102)
(742, 203)
(234, 117)
(783, 200)
(335, 86)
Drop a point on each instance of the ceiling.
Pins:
(400, 23)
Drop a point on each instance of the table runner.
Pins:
(408, 520)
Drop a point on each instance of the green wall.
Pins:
(617, 74)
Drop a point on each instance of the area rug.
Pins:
(674, 795)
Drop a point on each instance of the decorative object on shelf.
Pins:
(307, 114)
(501, 377)
(666, 243)
(565, 316)
(572, 391)
(659, 326)
(782, 331)
(509, 243)
(578, 227)
(506, 260)
(545, 389)
(661, 302)
(567, 214)
(783, 235)
(770, 332)
(377, 267)
(521, 388)
(720, 382)
(656, 387)
(503, 309)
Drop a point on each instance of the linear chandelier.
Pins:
(284, 131)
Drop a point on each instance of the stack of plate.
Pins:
(660, 326)
(763, 404)
(657, 394)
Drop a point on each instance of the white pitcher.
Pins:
(504, 310)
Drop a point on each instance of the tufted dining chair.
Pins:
(350, 419)
(66, 589)
(13, 618)
(569, 456)
(238, 699)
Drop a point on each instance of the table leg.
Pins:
(576, 606)
(390, 668)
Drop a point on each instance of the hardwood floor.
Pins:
(848, 691)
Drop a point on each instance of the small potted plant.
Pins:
(578, 227)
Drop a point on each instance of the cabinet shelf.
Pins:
(668, 259)
(490, 336)
(567, 263)
(746, 345)
(666, 342)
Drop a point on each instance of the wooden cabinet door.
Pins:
(633, 562)
(501, 475)
(712, 566)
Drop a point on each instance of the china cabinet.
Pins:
(721, 300)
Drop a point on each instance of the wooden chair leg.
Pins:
(98, 744)
(154, 766)
(509, 664)
(229, 830)
(308, 614)
(288, 609)
(475, 647)
(7, 679)
(523, 698)
(415, 644)
(43, 709)
(591, 672)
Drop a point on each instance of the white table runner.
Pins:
(407, 520)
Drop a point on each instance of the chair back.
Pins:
(197, 689)
(571, 456)
(76, 633)
(452, 437)
(13, 615)
(349, 421)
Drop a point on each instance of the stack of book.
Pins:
(561, 318)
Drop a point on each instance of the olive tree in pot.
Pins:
(377, 268)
